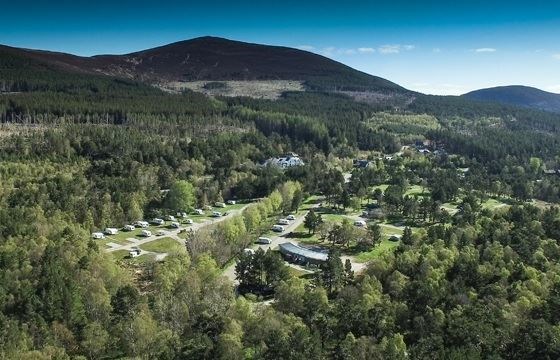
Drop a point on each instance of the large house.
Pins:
(300, 255)
(286, 161)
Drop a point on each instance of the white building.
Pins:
(286, 161)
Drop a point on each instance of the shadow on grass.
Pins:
(298, 235)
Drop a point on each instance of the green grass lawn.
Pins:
(120, 254)
(383, 187)
(296, 272)
(385, 246)
(416, 190)
(493, 204)
(164, 245)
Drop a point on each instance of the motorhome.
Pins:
(264, 241)
(157, 221)
(146, 233)
(111, 231)
(283, 221)
(98, 235)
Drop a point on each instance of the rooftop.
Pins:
(298, 250)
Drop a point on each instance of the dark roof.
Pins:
(298, 250)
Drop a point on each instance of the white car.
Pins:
(129, 227)
(290, 217)
(189, 221)
(134, 253)
(146, 233)
(264, 241)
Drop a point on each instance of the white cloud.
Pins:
(366, 50)
(556, 56)
(348, 51)
(328, 51)
(438, 88)
(485, 50)
(306, 47)
(389, 49)
(554, 88)
(394, 48)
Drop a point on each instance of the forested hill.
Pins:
(210, 58)
(519, 95)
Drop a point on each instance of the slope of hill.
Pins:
(519, 95)
(213, 59)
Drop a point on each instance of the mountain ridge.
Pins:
(519, 95)
(214, 59)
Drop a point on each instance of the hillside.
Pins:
(215, 59)
(519, 95)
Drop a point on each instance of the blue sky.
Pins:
(433, 46)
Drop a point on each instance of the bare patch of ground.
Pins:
(260, 89)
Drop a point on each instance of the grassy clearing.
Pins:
(261, 89)
(164, 245)
(297, 272)
(493, 204)
(383, 247)
(120, 254)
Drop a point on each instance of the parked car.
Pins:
(216, 214)
(290, 217)
(129, 227)
(278, 228)
(231, 202)
(134, 253)
(264, 241)
(359, 223)
(158, 221)
(283, 222)
(394, 238)
(146, 233)
(189, 221)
